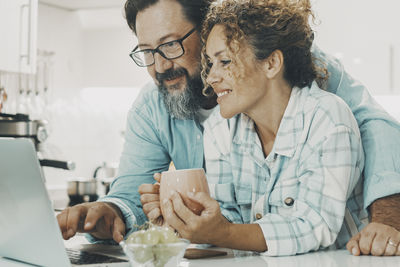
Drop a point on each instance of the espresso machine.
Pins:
(21, 126)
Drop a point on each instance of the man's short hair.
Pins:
(194, 10)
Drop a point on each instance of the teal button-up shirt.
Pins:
(154, 139)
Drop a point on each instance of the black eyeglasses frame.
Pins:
(157, 50)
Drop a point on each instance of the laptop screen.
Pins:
(29, 229)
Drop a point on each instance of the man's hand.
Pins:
(377, 239)
(103, 220)
(209, 227)
(150, 198)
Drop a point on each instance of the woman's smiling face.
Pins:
(240, 84)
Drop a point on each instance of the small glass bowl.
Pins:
(160, 255)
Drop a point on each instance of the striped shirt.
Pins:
(307, 193)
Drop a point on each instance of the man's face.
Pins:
(178, 79)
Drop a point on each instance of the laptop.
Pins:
(29, 230)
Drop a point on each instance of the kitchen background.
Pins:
(86, 81)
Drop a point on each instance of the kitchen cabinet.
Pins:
(18, 31)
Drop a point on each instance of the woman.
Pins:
(283, 157)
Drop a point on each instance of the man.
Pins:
(164, 125)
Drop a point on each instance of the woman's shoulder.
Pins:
(330, 106)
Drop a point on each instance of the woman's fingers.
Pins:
(209, 204)
(170, 216)
(149, 189)
(155, 216)
(180, 208)
(150, 199)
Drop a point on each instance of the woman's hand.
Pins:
(376, 239)
(209, 227)
(150, 198)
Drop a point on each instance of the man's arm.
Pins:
(380, 135)
(386, 211)
(143, 155)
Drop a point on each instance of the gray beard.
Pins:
(184, 105)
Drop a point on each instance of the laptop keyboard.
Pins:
(81, 257)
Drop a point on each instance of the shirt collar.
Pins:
(290, 128)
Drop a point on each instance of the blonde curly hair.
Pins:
(266, 25)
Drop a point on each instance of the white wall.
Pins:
(360, 33)
(107, 61)
(94, 83)
(59, 32)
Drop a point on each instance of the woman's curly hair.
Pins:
(266, 25)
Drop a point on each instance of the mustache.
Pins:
(170, 74)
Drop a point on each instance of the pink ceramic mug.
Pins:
(184, 181)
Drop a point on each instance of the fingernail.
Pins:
(88, 225)
(354, 251)
(190, 194)
(165, 201)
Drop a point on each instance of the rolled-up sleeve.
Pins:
(380, 135)
(381, 142)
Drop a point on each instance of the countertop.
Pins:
(338, 258)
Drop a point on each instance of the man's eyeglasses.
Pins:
(169, 50)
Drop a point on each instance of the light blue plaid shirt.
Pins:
(298, 193)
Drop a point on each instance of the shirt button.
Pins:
(198, 137)
(258, 216)
(289, 201)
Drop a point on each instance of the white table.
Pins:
(339, 258)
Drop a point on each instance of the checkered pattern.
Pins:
(316, 160)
